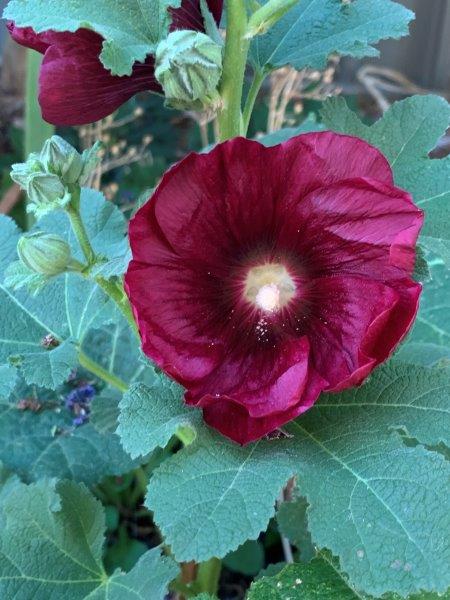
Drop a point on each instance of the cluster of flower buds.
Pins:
(48, 176)
(78, 403)
(189, 67)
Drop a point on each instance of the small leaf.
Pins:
(67, 308)
(248, 559)
(293, 524)
(150, 416)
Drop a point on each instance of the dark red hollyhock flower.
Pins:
(74, 87)
(262, 276)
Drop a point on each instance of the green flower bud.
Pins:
(48, 177)
(189, 66)
(46, 193)
(60, 158)
(44, 253)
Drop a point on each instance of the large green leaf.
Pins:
(214, 495)
(151, 415)
(51, 547)
(378, 504)
(314, 29)
(131, 29)
(381, 506)
(45, 444)
(405, 134)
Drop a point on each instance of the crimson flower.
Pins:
(263, 276)
(75, 88)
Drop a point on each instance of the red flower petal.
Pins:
(233, 419)
(263, 275)
(75, 88)
(26, 36)
(189, 15)
(345, 318)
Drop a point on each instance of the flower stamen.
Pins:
(269, 287)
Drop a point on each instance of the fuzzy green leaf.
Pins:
(432, 324)
(115, 348)
(131, 29)
(8, 380)
(390, 506)
(316, 580)
(405, 134)
(214, 495)
(381, 506)
(151, 415)
(314, 29)
(66, 525)
(48, 368)
(293, 524)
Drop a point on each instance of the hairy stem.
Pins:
(115, 290)
(235, 57)
(73, 210)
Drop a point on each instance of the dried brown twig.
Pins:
(288, 85)
(117, 154)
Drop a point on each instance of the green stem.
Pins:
(234, 61)
(78, 226)
(101, 373)
(115, 290)
(112, 288)
(208, 576)
(251, 98)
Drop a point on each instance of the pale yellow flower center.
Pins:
(269, 287)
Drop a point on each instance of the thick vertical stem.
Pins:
(235, 58)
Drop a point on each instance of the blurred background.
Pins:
(134, 162)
